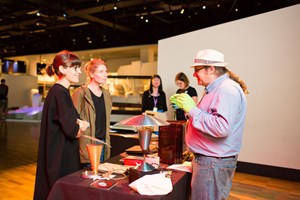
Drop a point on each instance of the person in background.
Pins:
(3, 99)
(154, 99)
(183, 84)
(58, 151)
(215, 126)
(94, 103)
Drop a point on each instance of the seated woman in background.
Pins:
(183, 82)
(154, 99)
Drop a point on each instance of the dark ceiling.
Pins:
(37, 26)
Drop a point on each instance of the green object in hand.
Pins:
(183, 101)
(174, 103)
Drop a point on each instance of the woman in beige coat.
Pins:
(94, 103)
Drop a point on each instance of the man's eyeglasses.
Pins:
(198, 69)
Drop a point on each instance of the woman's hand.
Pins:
(83, 125)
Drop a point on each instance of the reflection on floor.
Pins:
(25, 114)
(18, 154)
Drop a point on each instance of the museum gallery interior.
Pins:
(138, 39)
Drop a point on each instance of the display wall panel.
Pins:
(263, 50)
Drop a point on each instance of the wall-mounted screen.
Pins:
(40, 67)
(20, 67)
(11, 67)
(7, 66)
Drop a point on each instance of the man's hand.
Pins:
(183, 101)
(174, 102)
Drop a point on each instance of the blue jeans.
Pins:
(102, 152)
(212, 178)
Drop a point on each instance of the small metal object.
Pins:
(174, 106)
(144, 120)
(89, 174)
(168, 174)
(95, 139)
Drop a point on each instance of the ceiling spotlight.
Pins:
(89, 40)
(142, 17)
(115, 7)
(41, 14)
(40, 23)
(218, 5)
(204, 7)
(236, 9)
(146, 20)
(104, 39)
(170, 10)
(182, 11)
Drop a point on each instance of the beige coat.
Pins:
(83, 102)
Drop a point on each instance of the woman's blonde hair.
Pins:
(92, 65)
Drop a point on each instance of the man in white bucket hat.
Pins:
(215, 126)
(209, 57)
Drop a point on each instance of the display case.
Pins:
(127, 92)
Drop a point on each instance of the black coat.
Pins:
(58, 153)
(148, 101)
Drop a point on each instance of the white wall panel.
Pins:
(264, 51)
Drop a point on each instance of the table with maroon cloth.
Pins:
(74, 187)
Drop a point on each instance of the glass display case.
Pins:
(126, 92)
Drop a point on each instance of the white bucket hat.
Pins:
(209, 57)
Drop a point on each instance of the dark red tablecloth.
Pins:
(74, 187)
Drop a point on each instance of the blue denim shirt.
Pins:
(216, 125)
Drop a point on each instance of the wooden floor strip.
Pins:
(18, 154)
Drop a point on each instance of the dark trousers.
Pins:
(3, 108)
